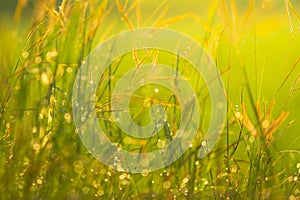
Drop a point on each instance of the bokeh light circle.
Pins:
(88, 79)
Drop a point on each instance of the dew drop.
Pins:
(122, 176)
(252, 139)
(39, 181)
(69, 70)
(86, 190)
(25, 54)
(234, 168)
(265, 124)
(36, 146)
(100, 192)
(83, 116)
(145, 172)
(78, 167)
(238, 115)
(248, 148)
(167, 184)
(185, 180)
(45, 79)
(67, 117)
(162, 143)
(38, 60)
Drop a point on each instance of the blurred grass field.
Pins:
(256, 47)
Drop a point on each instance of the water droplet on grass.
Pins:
(36, 146)
(67, 117)
(185, 180)
(38, 60)
(167, 184)
(51, 55)
(39, 181)
(238, 115)
(234, 168)
(45, 79)
(34, 130)
(25, 54)
(122, 176)
(265, 124)
(162, 143)
(252, 139)
(100, 192)
(86, 190)
(78, 167)
(69, 70)
(248, 148)
(84, 116)
(145, 172)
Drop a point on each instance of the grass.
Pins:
(255, 47)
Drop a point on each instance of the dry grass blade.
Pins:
(288, 75)
(234, 15)
(247, 122)
(99, 18)
(20, 5)
(155, 12)
(171, 20)
(224, 13)
(294, 10)
(293, 89)
(155, 57)
(249, 12)
(268, 124)
(288, 15)
(124, 14)
(162, 14)
(138, 13)
(137, 61)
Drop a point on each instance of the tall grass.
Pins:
(42, 156)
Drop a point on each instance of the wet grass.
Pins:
(255, 47)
